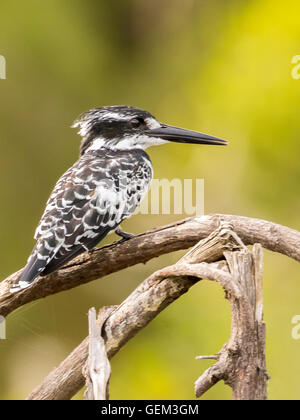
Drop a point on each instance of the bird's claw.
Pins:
(124, 235)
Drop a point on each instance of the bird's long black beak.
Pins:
(182, 135)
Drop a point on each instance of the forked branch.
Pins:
(142, 248)
(241, 362)
(143, 305)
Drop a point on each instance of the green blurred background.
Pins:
(222, 67)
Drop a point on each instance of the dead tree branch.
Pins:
(97, 369)
(143, 305)
(241, 362)
(142, 248)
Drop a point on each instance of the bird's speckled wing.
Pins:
(89, 200)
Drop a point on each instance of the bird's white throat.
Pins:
(126, 143)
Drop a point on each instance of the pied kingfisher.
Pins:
(104, 186)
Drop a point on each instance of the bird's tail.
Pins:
(33, 268)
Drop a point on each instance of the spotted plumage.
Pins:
(102, 188)
(91, 199)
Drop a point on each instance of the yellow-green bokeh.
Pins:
(222, 67)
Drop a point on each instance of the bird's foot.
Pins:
(124, 235)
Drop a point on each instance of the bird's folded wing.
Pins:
(89, 200)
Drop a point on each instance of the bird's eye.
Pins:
(136, 122)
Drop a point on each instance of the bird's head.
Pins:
(126, 128)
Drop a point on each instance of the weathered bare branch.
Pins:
(135, 312)
(210, 377)
(97, 369)
(241, 362)
(142, 248)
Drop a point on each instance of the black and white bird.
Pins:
(104, 186)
